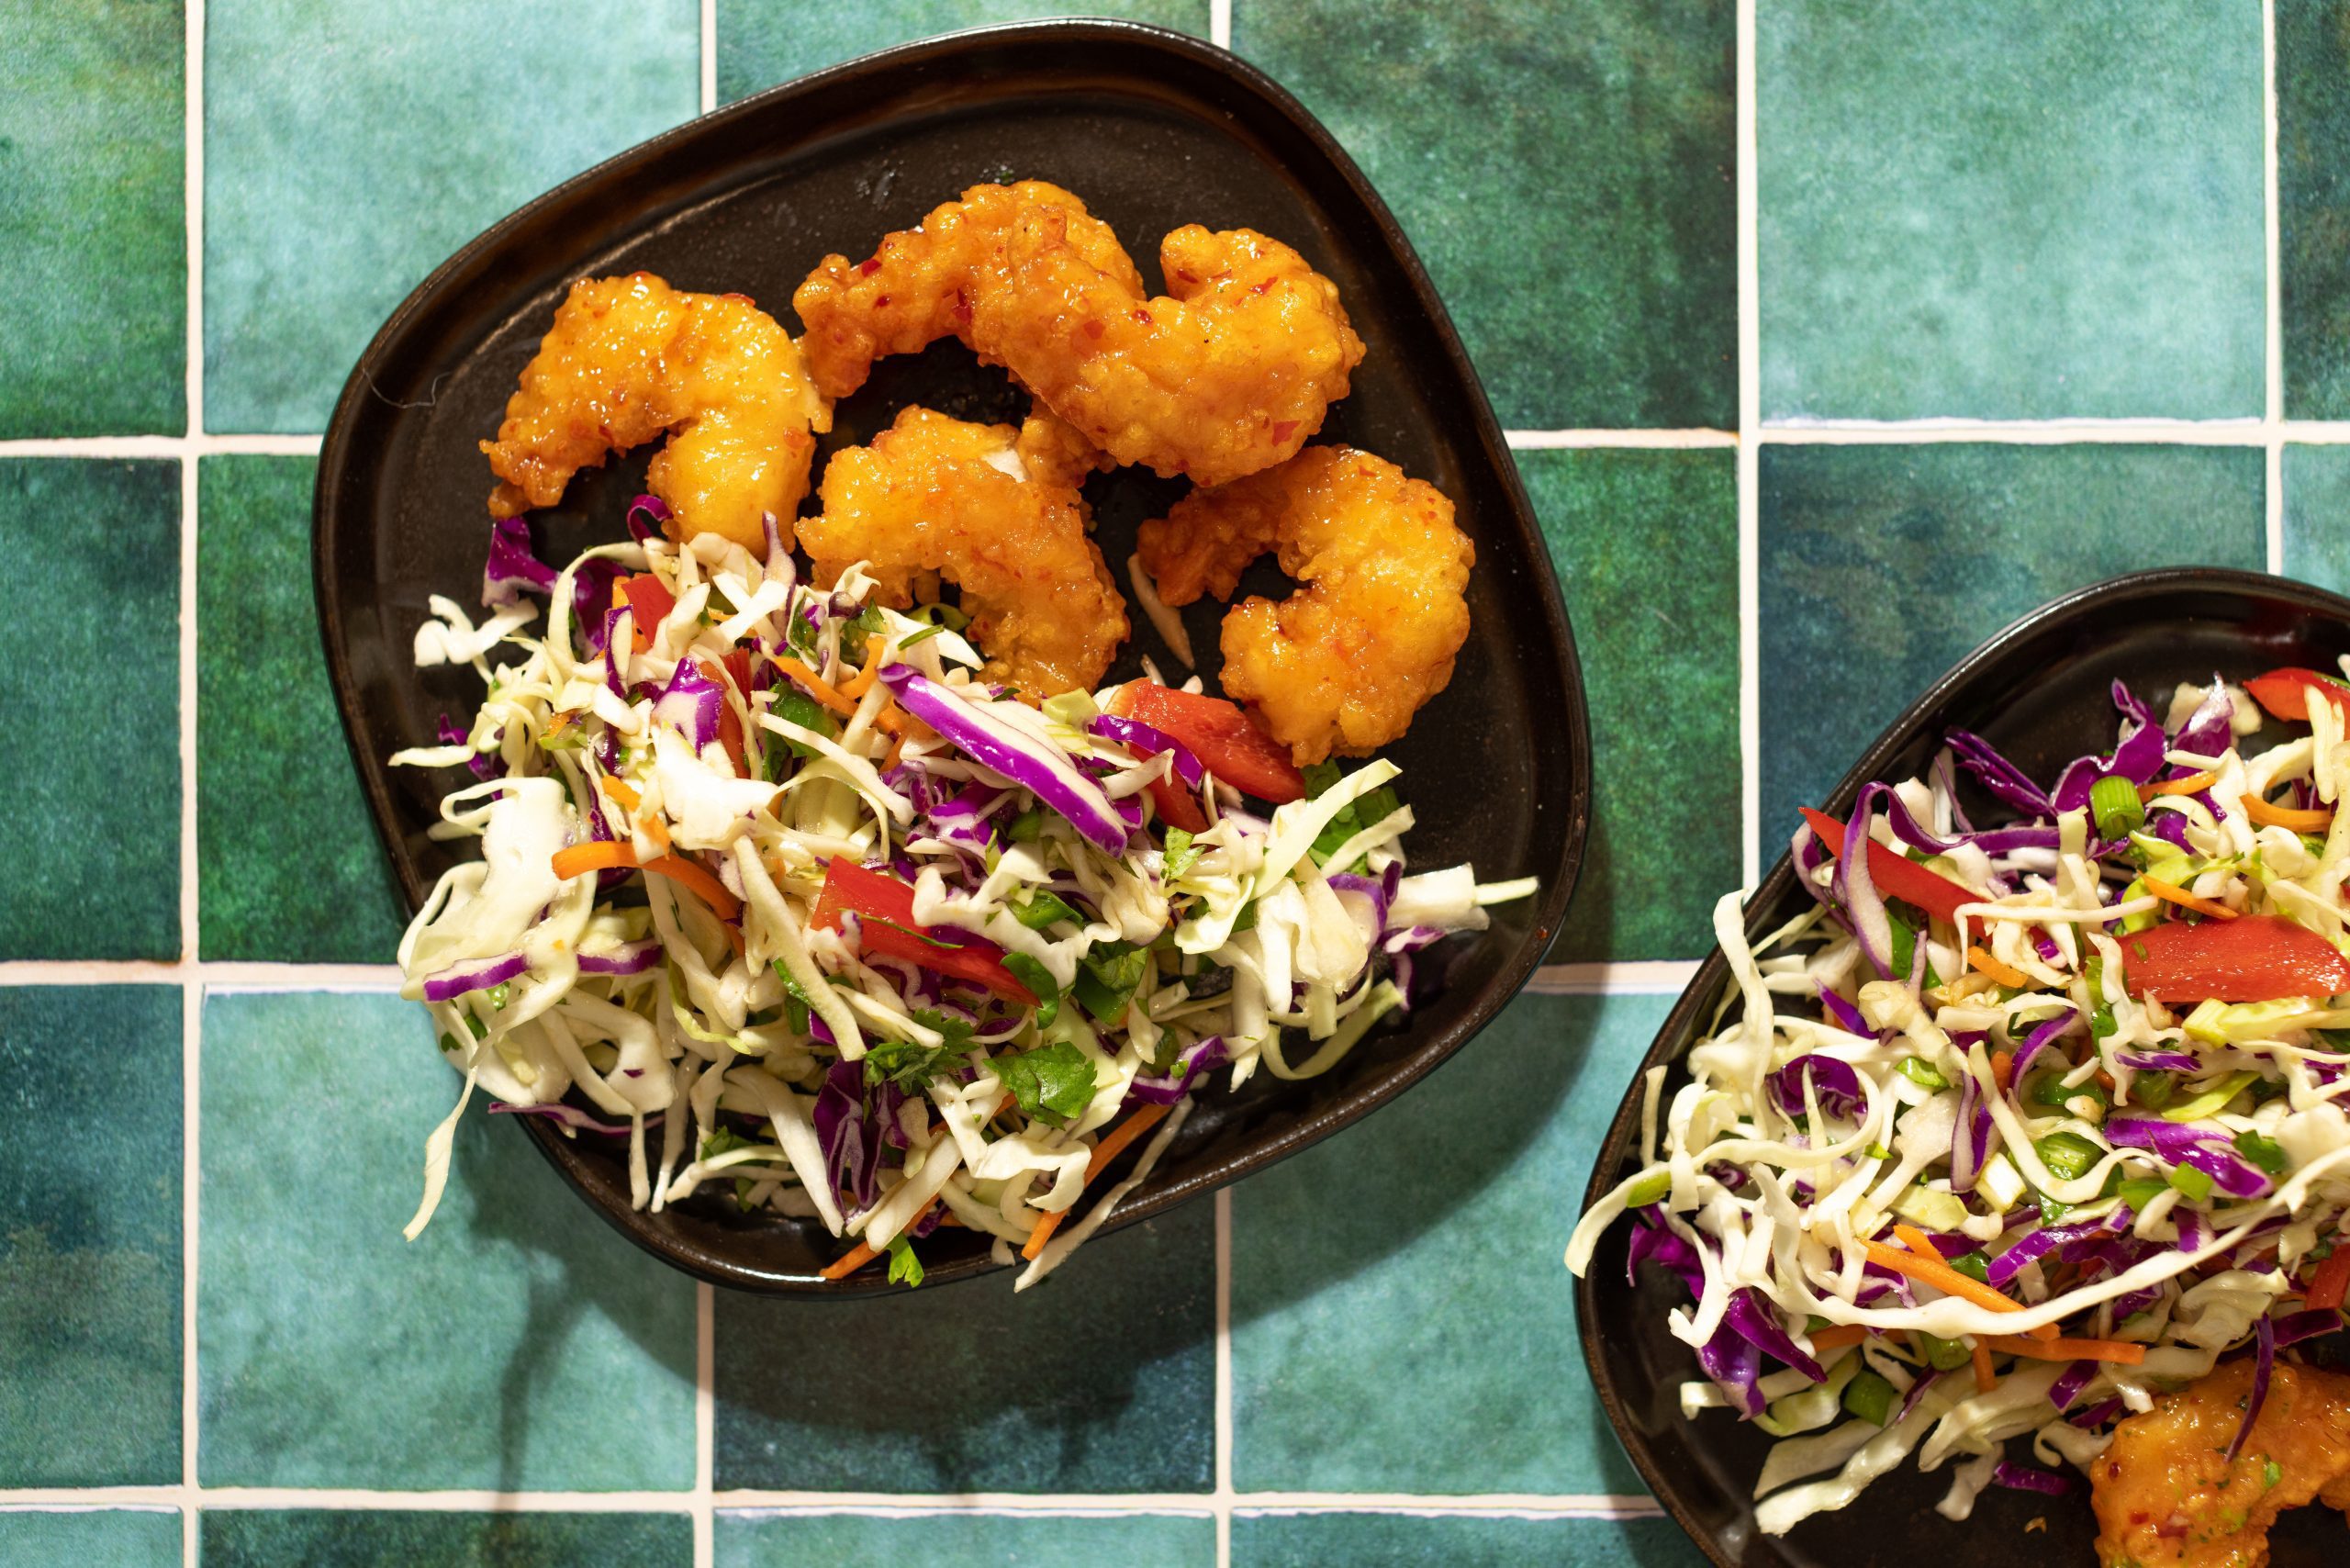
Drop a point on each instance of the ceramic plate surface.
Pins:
(1154, 130)
(2039, 692)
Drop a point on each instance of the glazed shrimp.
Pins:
(1343, 664)
(1227, 374)
(995, 510)
(628, 358)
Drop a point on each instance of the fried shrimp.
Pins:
(1228, 373)
(2166, 1495)
(1342, 665)
(630, 357)
(995, 510)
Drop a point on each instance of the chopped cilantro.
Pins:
(1033, 974)
(904, 1267)
(1106, 980)
(1051, 1083)
(1042, 908)
(1182, 854)
(1028, 826)
(2262, 1151)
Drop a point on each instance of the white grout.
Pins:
(1630, 977)
(2273, 484)
(1223, 1377)
(1750, 418)
(705, 1416)
(1543, 440)
(189, 446)
(218, 975)
(1220, 23)
(2024, 432)
(191, 981)
(467, 1500)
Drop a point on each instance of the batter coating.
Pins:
(995, 510)
(1342, 665)
(2166, 1497)
(628, 358)
(1227, 374)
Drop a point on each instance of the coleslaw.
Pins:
(776, 887)
(2016, 1128)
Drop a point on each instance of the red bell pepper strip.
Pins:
(1896, 875)
(1220, 734)
(1178, 807)
(2331, 1282)
(884, 910)
(729, 727)
(2286, 693)
(651, 602)
(2259, 957)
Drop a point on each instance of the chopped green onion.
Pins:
(1650, 1188)
(2195, 1184)
(2114, 803)
(1869, 1396)
(1918, 1070)
(1943, 1355)
(2068, 1155)
(2140, 1191)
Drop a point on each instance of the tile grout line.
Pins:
(218, 974)
(705, 1418)
(1539, 440)
(1222, 1495)
(1605, 1505)
(1220, 23)
(190, 446)
(1750, 420)
(2273, 475)
(191, 927)
(708, 89)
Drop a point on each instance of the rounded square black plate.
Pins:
(2039, 692)
(1153, 130)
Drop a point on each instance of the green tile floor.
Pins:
(1815, 376)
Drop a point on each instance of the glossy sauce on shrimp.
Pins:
(2166, 1495)
(628, 358)
(1342, 665)
(1227, 374)
(995, 510)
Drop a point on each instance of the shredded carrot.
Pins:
(2003, 1069)
(699, 882)
(813, 684)
(897, 750)
(2261, 811)
(850, 1262)
(1112, 1145)
(2120, 1350)
(626, 797)
(2005, 974)
(1932, 1271)
(601, 855)
(1985, 1380)
(2193, 784)
(856, 686)
(1838, 1336)
(2186, 899)
(658, 831)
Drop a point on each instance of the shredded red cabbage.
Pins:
(1136, 735)
(2184, 1144)
(1017, 756)
(2030, 1478)
(2264, 1364)
(1838, 1085)
(451, 984)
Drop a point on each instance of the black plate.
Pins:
(2038, 691)
(1154, 130)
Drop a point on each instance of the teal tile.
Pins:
(1100, 1380)
(92, 1537)
(1646, 547)
(763, 1539)
(93, 217)
(1981, 209)
(2317, 516)
(1425, 1343)
(2314, 205)
(519, 1343)
(89, 667)
(1566, 172)
(1882, 566)
(1408, 1541)
(349, 149)
(762, 42)
(378, 1538)
(267, 730)
(90, 1252)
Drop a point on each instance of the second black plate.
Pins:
(2039, 692)
(1154, 130)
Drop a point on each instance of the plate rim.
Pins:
(1137, 42)
(1705, 987)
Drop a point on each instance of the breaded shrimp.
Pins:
(1227, 374)
(2167, 1497)
(1343, 664)
(630, 357)
(995, 510)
